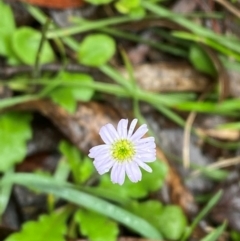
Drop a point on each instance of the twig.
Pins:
(187, 132)
(229, 7)
(36, 69)
(220, 164)
(186, 139)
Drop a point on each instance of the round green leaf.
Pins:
(96, 49)
(201, 60)
(25, 43)
(172, 222)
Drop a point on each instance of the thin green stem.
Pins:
(17, 100)
(160, 46)
(36, 69)
(87, 26)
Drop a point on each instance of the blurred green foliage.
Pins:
(201, 61)
(7, 28)
(95, 226)
(96, 50)
(82, 168)
(51, 227)
(67, 96)
(25, 43)
(15, 131)
(20, 45)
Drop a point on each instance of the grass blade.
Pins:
(66, 191)
(202, 214)
(214, 235)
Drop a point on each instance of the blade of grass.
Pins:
(160, 46)
(5, 192)
(214, 235)
(67, 192)
(211, 43)
(229, 42)
(202, 214)
(87, 26)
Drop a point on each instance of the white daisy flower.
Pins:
(124, 151)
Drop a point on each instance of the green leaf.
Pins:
(70, 193)
(172, 222)
(201, 60)
(125, 6)
(7, 23)
(235, 236)
(48, 227)
(64, 97)
(98, 2)
(96, 50)
(25, 43)
(150, 182)
(7, 27)
(96, 227)
(81, 94)
(149, 210)
(169, 220)
(86, 170)
(68, 96)
(15, 130)
(5, 49)
(133, 8)
(81, 169)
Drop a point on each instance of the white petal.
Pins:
(114, 173)
(143, 165)
(146, 140)
(147, 158)
(105, 167)
(145, 145)
(132, 127)
(153, 159)
(102, 157)
(95, 151)
(112, 131)
(133, 172)
(98, 162)
(106, 137)
(121, 174)
(118, 174)
(140, 132)
(122, 128)
(144, 152)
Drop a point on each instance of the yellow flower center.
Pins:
(123, 150)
